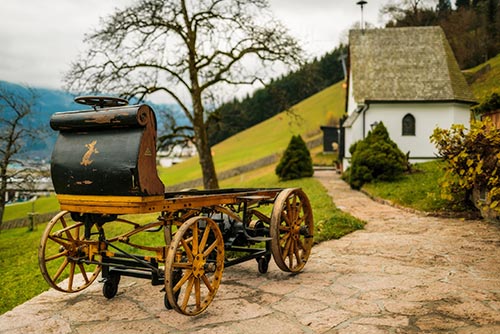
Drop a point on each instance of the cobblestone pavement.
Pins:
(404, 273)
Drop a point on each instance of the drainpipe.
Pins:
(363, 110)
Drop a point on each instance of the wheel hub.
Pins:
(296, 232)
(199, 265)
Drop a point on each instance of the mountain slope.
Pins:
(50, 101)
(47, 102)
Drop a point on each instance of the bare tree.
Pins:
(186, 49)
(412, 12)
(15, 131)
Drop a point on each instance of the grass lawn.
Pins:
(41, 205)
(19, 275)
(419, 190)
(323, 159)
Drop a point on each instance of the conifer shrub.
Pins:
(376, 157)
(491, 103)
(296, 162)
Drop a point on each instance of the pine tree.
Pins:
(462, 4)
(296, 162)
(444, 6)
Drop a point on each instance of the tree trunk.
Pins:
(205, 155)
(202, 146)
(3, 190)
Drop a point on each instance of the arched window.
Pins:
(408, 125)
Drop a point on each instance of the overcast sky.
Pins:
(40, 38)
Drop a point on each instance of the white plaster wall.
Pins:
(351, 104)
(428, 116)
(355, 132)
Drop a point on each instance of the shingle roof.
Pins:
(405, 64)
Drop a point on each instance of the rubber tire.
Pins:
(110, 287)
(263, 265)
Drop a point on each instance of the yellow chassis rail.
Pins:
(150, 204)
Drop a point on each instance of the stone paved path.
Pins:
(404, 273)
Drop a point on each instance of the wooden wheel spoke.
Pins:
(284, 228)
(288, 206)
(187, 249)
(300, 245)
(77, 233)
(207, 283)
(183, 265)
(63, 242)
(60, 269)
(71, 275)
(290, 254)
(197, 292)
(289, 211)
(187, 292)
(195, 242)
(296, 251)
(284, 239)
(210, 248)
(286, 248)
(298, 210)
(300, 218)
(66, 230)
(286, 218)
(183, 280)
(84, 272)
(204, 239)
(56, 256)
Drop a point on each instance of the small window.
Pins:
(408, 125)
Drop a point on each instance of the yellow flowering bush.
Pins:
(473, 161)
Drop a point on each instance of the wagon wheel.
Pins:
(292, 230)
(64, 254)
(197, 250)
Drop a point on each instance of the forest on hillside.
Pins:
(471, 27)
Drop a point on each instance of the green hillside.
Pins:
(485, 78)
(266, 138)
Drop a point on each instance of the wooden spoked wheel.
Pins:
(66, 259)
(194, 266)
(291, 230)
